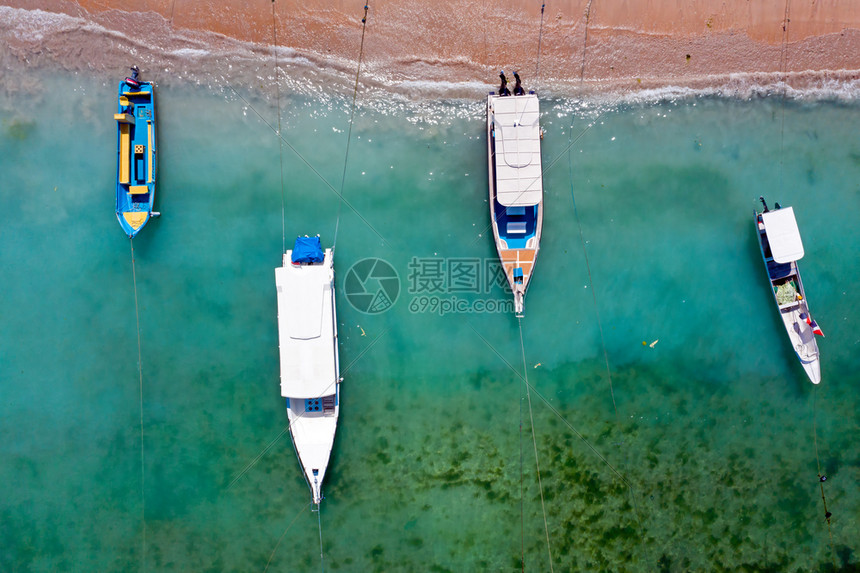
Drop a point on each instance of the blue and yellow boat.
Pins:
(136, 153)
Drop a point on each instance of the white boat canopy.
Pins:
(783, 235)
(517, 142)
(306, 328)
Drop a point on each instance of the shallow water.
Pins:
(695, 454)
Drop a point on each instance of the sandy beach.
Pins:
(574, 44)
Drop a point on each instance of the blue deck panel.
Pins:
(529, 217)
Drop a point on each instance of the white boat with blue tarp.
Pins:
(516, 186)
(136, 153)
(781, 248)
(310, 370)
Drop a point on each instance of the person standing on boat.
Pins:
(518, 87)
(503, 89)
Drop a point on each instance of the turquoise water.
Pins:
(697, 454)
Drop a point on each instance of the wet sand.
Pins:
(591, 44)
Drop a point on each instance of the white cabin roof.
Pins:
(306, 329)
(783, 235)
(517, 143)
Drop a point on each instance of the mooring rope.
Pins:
(522, 493)
(306, 162)
(585, 43)
(534, 443)
(140, 386)
(783, 64)
(280, 140)
(821, 477)
(567, 150)
(593, 291)
(319, 525)
(284, 534)
(552, 409)
(351, 119)
(540, 38)
(631, 492)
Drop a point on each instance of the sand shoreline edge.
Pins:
(441, 52)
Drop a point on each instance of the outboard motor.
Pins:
(764, 204)
(132, 81)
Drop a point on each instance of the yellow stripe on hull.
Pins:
(124, 153)
(149, 126)
(135, 219)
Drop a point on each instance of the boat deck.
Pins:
(136, 155)
(515, 186)
(522, 258)
(780, 254)
(310, 373)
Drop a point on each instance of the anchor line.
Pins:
(351, 120)
(827, 514)
(585, 43)
(540, 38)
(284, 534)
(593, 291)
(570, 426)
(587, 16)
(140, 386)
(280, 140)
(306, 162)
(552, 409)
(579, 223)
(630, 490)
(534, 444)
(522, 496)
(783, 64)
(319, 525)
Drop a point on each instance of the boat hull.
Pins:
(794, 314)
(516, 229)
(136, 155)
(313, 439)
(310, 366)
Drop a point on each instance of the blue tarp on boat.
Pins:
(308, 250)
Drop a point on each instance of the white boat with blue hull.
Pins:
(310, 369)
(781, 248)
(516, 186)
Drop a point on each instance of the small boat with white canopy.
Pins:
(516, 185)
(781, 248)
(310, 371)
